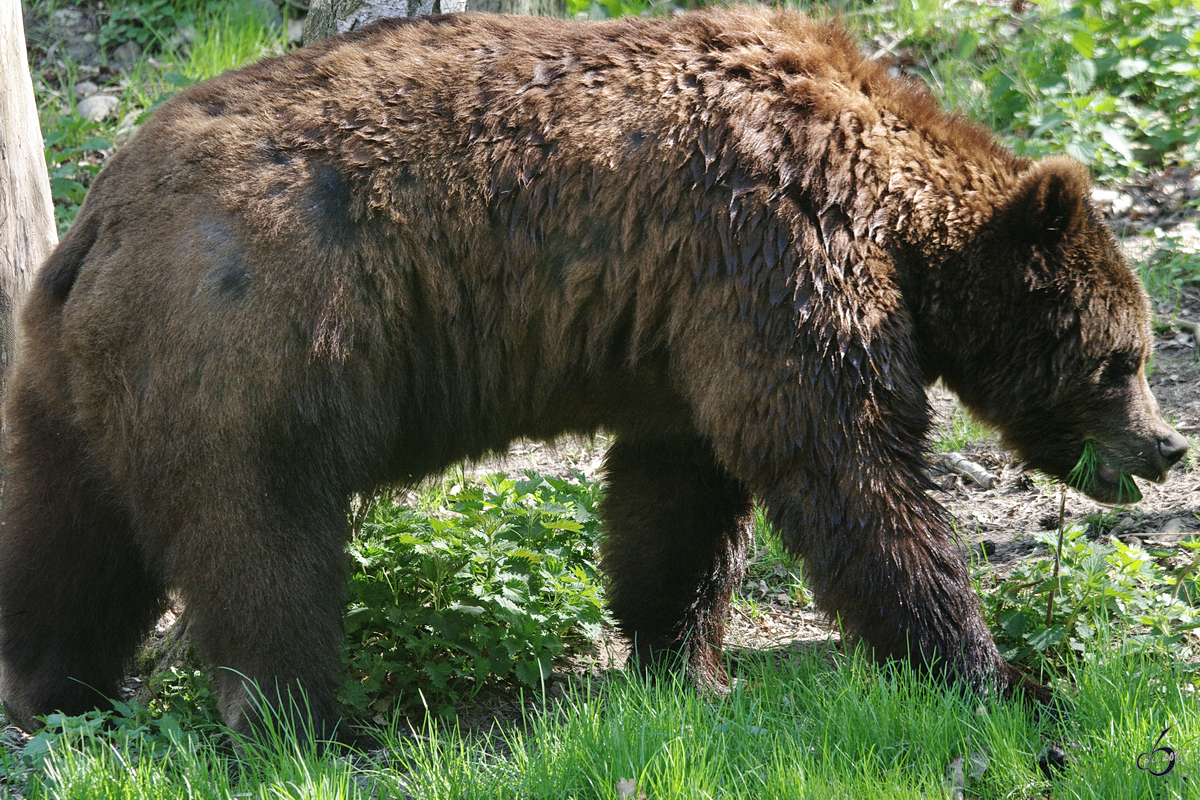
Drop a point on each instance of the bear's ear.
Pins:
(1049, 202)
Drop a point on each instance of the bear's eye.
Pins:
(1119, 367)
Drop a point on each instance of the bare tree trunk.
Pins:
(27, 232)
(327, 17)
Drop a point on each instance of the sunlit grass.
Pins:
(797, 726)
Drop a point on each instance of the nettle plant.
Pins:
(495, 590)
(1112, 84)
(1102, 589)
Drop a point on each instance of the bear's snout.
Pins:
(1172, 446)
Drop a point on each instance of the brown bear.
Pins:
(725, 237)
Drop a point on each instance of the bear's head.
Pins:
(1055, 336)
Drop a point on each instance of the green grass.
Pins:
(958, 432)
(1083, 476)
(797, 727)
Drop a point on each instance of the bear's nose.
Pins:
(1171, 448)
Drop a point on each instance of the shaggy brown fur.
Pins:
(725, 237)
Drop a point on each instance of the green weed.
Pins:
(958, 432)
(1101, 589)
(441, 606)
(1169, 269)
(1113, 84)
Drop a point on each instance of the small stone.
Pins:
(1173, 529)
(127, 54)
(80, 50)
(128, 125)
(67, 17)
(295, 31)
(184, 36)
(97, 107)
(85, 89)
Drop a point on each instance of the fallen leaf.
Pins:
(960, 770)
(627, 790)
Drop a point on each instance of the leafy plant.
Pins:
(1101, 587)
(186, 693)
(154, 24)
(496, 590)
(130, 731)
(74, 152)
(1169, 269)
(1113, 84)
(147, 22)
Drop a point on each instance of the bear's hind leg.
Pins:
(263, 584)
(676, 528)
(76, 597)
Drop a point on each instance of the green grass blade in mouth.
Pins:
(1127, 491)
(1083, 475)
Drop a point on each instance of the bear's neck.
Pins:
(936, 200)
(937, 196)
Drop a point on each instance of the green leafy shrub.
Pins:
(1114, 84)
(185, 692)
(1101, 588)
(1170, 269)
(129, 730)
(441, 606)
(154, 24)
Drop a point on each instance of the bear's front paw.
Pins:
(1013, 684)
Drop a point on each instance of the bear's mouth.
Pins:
(1098, 479)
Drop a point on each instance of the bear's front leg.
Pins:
(676, 528)
(878, 554)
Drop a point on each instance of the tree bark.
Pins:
(27, 231)
(327, 17)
